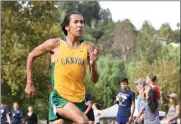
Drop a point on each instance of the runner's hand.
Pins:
(30, 89)
(93, 57)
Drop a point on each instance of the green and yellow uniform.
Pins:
(67, 78)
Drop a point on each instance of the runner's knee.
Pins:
(82, 120)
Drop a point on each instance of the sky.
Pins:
(156, 12)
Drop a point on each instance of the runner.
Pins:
(72, 56)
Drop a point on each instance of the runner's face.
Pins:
(76, 25)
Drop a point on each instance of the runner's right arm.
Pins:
(48, 45)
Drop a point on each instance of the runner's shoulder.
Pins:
(90, 46)
(89, 43)
(54, 42)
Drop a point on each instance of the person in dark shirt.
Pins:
(5, 119)
(88, 108)
(31, 117)
(126, 101)
(16, 114)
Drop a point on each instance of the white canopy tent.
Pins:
(112, 111)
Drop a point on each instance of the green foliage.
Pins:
(23, 28)
(12, 50)
(173, 53)
(176, 34)
(68, 6)
(94, 32)
(90, 10)
(165, 32)
(110, 71)
(107, 29)
(147, 46)
(88, 37)
(105, 16)
(126, 21)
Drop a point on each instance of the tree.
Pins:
(126, 21)
(68, 6)
(105, 16)
(176, 34)
(24, 26)
(173, 53)
(110, 71)
(147, 44)
(90, 10)
(94, 32)
(165, 32)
